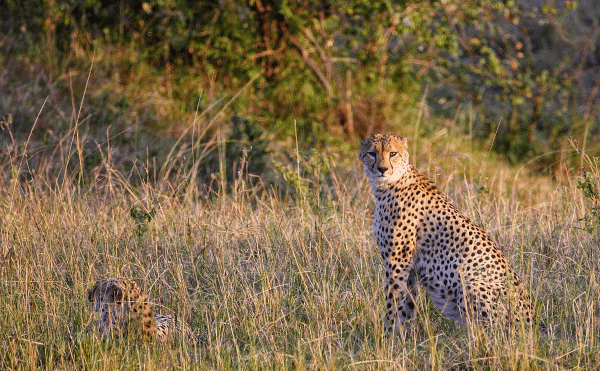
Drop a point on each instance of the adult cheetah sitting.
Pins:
(125, 308)
(423, 238)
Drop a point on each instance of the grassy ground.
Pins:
(273, 269)
(275, 276)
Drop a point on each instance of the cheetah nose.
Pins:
(382, 169)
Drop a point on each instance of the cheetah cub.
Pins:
(124, 307)
(424, 239)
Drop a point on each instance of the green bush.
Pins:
(519, 73)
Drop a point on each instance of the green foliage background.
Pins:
(521, 76)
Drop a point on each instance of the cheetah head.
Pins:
(108, 294)
(384, 158)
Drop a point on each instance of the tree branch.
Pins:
(312, 65)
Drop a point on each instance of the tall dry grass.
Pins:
(276, 276)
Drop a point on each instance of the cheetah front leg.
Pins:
(400, 287)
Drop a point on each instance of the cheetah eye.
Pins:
(392, 154)
(372, 154)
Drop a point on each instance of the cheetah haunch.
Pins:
(424, 239)
(125, 308)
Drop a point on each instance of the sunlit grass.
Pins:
(277, 270)
(280, 279)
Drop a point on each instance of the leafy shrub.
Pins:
(526, 73)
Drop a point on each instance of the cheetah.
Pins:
(424, 239)
(124, 307)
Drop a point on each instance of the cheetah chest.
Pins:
(394, 224)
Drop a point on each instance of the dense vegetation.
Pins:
(521, 74)
(208, 150)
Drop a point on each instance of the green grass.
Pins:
(280, 276)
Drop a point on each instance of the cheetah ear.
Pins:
(363, 145)
(403, 140)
